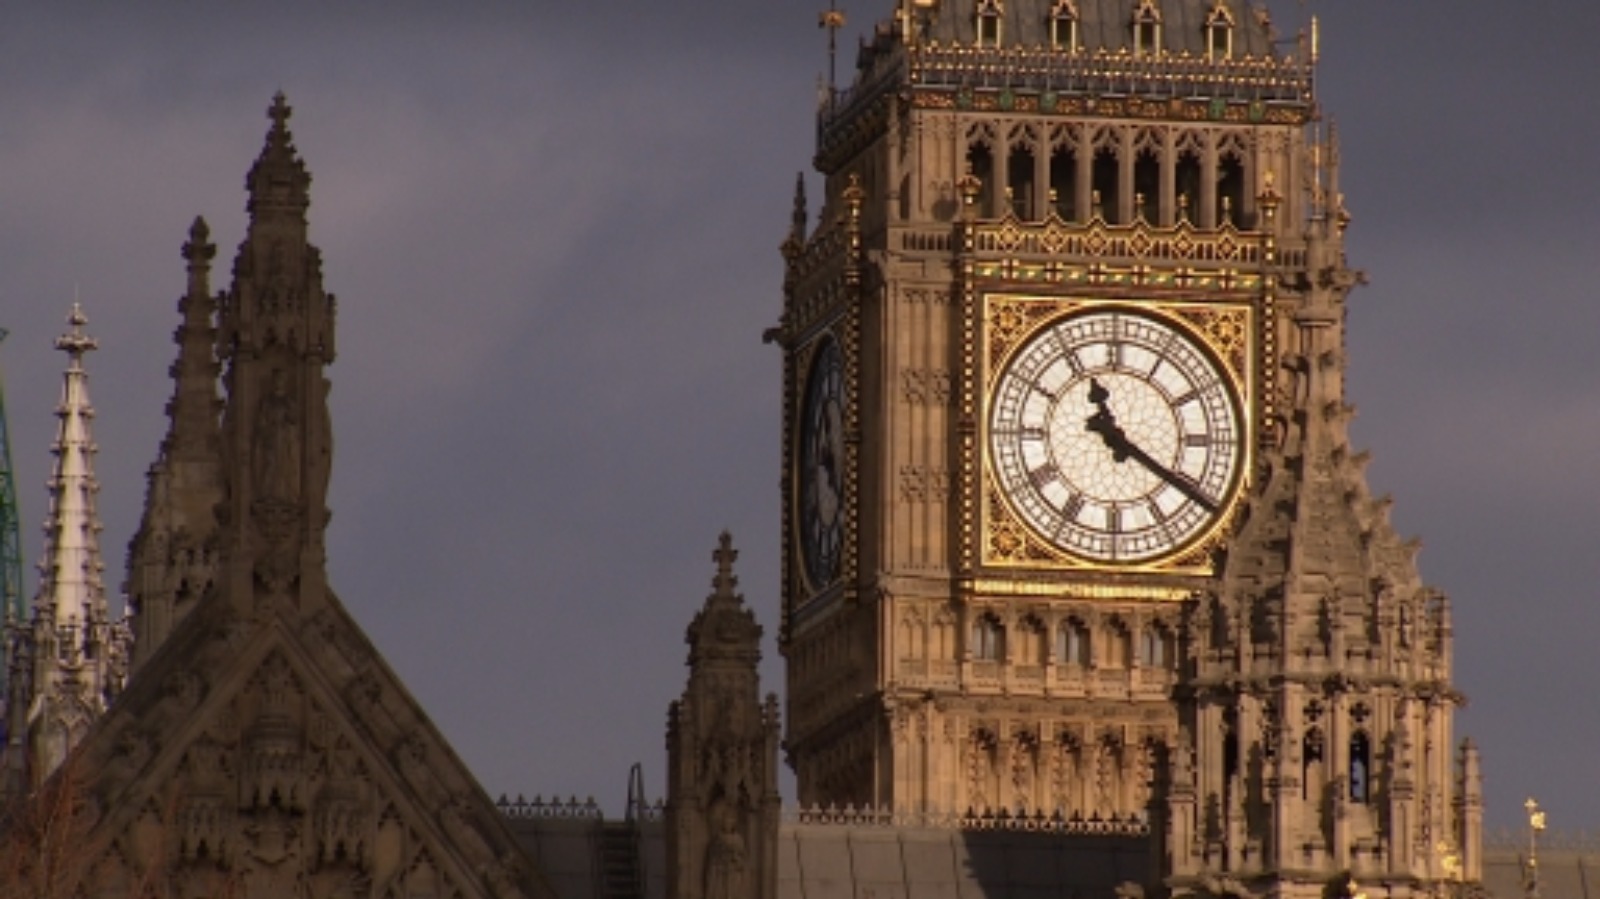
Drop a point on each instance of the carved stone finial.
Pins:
(1268, 199)
(725, 582)
(76, 342)
(198, 249)
(279, 113)
(278, 181)
(970, 186)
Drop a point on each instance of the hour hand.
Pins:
(1104, 423)
(1098, 394)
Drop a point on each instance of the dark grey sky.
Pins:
(553, 235)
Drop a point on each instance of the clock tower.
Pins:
(1071, 526)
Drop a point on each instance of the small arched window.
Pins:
(1151, 652)
(1219, 32)
(1064, 26)
(988, 23)
(1072, 644)
(1360, 768)
(1311, 779)
(1147, 28)
(988, 639)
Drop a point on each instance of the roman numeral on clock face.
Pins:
(1071, 508)
(1042, 475)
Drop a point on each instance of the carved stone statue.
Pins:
(278, 444)
(726, 858)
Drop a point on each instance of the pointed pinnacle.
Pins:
(198, 249)
(278, 181)
(75, 343)
(725, 582)
(798, 219)
(279, 113)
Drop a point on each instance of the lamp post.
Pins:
(1536, 824)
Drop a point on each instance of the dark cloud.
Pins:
(553, 231)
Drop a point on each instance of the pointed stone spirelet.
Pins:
(70, 581)
(70, 653)
(724, 629)
(278, 182)
(195, 406)
(173, 545)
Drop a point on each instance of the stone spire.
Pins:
(722, 755)
(172, 557)
(278, 183)
(69, 659)
(275, 337)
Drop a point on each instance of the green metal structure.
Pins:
(12, 599)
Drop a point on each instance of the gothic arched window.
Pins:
(1105, 176)
(1147, 28)
(1064, 26)
(1151, 653)
(1156, 648)
(1028, 645)
(1072, 643)
(1147, 185)
(1311, 778)
(1360, 768)
(1219, 32)
(1020, 173)
(1186, 178)
(988, 639)
(1230, 192)
(980, 163)
(988, 23)
(1064, 181)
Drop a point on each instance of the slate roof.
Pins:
(824, 861)
(836, 861)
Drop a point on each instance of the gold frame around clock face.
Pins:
(1116, 435)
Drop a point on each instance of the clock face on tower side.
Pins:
(820, 479)
(1115, 435)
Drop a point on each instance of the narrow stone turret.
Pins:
(1321, 704)
(722, 756)
(69, 659)
(275, 337)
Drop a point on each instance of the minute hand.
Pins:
(1123, 449)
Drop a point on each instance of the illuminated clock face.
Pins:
(1115, 436)
(821, 474)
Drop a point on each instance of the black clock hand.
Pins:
(1104, 423)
